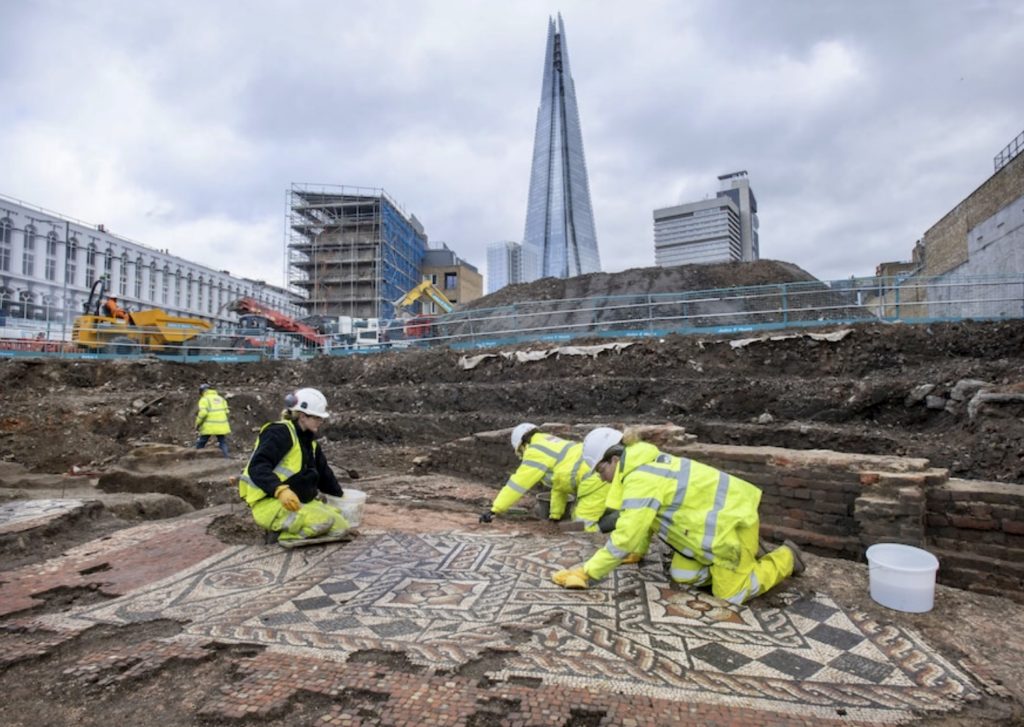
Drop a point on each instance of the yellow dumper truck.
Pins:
(105, 328)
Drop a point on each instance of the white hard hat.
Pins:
(597, 443)
(308, 401)
(520, 432)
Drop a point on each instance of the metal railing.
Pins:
(709, 312)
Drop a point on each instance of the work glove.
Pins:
(487, 517)
(633, 558)
(288, 499)
(575, 578)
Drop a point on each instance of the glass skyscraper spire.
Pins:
(559, 217)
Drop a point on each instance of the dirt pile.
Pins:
(640, 281)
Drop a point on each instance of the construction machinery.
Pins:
(277, 320)
(422, 325)
(145, 331)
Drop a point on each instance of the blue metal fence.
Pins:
(709, 312)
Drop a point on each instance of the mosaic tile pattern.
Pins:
(22, 515)
(446, 599)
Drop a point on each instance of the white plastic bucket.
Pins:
(351, 505)
(902, 577)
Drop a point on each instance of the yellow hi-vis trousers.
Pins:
(313, 520)
(752, 577)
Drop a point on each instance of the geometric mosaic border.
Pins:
(446, 599)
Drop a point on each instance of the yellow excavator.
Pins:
(421, 326)
(107, 328)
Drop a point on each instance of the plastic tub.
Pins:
(902, 577)
(351, 505)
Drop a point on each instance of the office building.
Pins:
(49, 263)
(736, 186)
(696, 233)
(722, 229)
(351, 251)
(559, 217)
(508, 263)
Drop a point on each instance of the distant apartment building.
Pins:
(460, 281)
(982, 237)
(508, 263)
(352, 251)
(50, 262)
(722, 229)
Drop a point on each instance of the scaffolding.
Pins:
(351, 250)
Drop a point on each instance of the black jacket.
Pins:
(314, 477)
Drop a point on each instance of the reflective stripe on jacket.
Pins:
(695, 508)
(289, 465)
(547, 459)
(213, 414)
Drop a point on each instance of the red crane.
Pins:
(278, 320)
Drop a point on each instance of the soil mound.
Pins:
(641, 281)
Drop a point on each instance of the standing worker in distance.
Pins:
(559, 464)
(708, 517)
(286, 472)
(212, 419)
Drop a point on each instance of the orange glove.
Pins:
(575, 578)
(288, 499)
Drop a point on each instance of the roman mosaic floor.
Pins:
(446, 600)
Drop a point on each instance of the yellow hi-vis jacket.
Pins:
(695, 508)
(288, 466)
(213, 414)
(558, 464)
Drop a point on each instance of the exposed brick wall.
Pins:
(833, 503)
(945, 242)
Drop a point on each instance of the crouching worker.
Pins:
(709, 518)
(557, 463)
(286, 472)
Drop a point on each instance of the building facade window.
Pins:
(177, 288)
(71, 261)
(90, 264)
(188, 291)
(166, 285)
(152, 282)
(28, 257)
(451, 281)
(51, 256)
(5, 244)
(108, 262)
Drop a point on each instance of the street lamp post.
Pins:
(64, 316)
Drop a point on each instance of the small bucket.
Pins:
(902, 577)
(351, 505)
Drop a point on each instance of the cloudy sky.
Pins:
(181, 124)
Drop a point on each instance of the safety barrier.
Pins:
(709, 312)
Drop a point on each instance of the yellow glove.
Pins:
(575, 578)
(288, 499)
(633, 558)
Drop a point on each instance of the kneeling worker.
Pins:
(286, 472)
(708, 517)
(559, 464)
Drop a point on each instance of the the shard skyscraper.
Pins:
(559, 217)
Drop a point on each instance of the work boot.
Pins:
(798, 560)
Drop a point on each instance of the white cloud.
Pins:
(182, 124)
